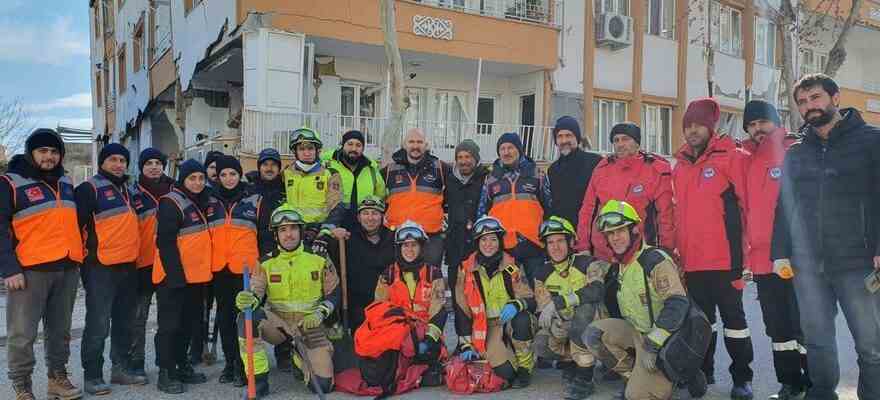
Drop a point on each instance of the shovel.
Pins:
(249, 339)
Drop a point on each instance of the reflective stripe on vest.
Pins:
(193, 239)
(116, 223)
(308, 193)
(417, 198)
(366, 181)
(294, 281)
(494, 291)
(517, 205)
(419, 303)
(567, 281)
(631, 296)
(44, 221)
(146, 206)
(235, 242)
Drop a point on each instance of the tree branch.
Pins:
(837, 55)
(391, 136)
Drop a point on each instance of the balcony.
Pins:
(547, 12)
(260, 130)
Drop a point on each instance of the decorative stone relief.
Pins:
(435, 28)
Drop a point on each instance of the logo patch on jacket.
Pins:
(315, 275)
(528, 187)
(319, 185)
(430, 178)
(250, 214)
(34, 194)
(194, 216)
(109, 194)
(638, 189)
(209, 211)
(398, 179)
(496, 188)
(708, 173)
(775, 172)
(275, 278)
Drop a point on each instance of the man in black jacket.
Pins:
(826, 230)
(463, 186)
(266, 181)
(570, 174)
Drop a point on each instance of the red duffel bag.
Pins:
(463, 377)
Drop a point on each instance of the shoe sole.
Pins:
(99, 393)
(51, 396)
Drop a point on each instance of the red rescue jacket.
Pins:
(710, 204)
(645, 182)
(762, 189)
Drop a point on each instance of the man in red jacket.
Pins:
(709, 182)
(767, 144)
(641, 179)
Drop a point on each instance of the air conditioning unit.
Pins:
(614, 31)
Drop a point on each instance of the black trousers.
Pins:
(226, 287)
(200, 335)
(779, 309)
(111, 299)
(179, 314)
(712, 290)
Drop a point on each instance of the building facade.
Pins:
(189, 76)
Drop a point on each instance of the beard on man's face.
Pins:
(820, 117)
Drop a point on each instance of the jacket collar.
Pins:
(852, 121)
(717, 143)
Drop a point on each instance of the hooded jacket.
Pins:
(570, 176)
(828, 214)
(9, 264)
(645, 182)
(710, 204)
(461, 201)
(762, 190)
(273, 196)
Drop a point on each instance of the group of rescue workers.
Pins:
(620, 262)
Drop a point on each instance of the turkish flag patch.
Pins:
(194, 216)
(34, 194)
(109, 194)
(275, 278)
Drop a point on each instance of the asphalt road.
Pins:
(546, 383)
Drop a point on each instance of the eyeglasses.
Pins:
(611, 220)
(409, 233)
(487, 225)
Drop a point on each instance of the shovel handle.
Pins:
(249, 339)
(343, 277)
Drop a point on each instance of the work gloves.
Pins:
(509, 311)
(547, 314)
(246, 300)
(314, 318)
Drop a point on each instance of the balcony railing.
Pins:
(548, 12)
(260, 130)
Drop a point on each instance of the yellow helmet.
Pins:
(555, 225)
(617, 214)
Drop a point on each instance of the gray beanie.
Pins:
(469, 146)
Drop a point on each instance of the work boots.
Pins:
(136, 368)
(167, 382)
(579, 384)
(186, 374)
(121, 376)
(742, 391)
(60, 387)
(96, 387)
(23, 390)
(523, 379)
(228, 374)
(261, 381)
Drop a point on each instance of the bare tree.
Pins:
(391, 136)
(15, 122)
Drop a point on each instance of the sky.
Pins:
(44, 60)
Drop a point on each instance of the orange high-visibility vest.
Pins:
(416, 198)
(420, 303)
(475, 299)
(516, 203)
(44, 221)
(146, 205)
(193, 239)
(235, 241)
(116, 223)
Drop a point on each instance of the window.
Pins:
(611, 6)
(812, 61)
(188, 5)
(606, 114)
(485, 115)
(99, 91)
(657, 129)
(450, 118)
(660, 18)
(726, 29)
(731, 124)
(358, 109)
(137, 45)
(109, 21)
(121, 67)
(765, 41)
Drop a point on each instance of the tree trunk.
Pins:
(391, 136)
(787, 19)
(837, 55)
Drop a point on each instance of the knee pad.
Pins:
(505, 371)
(522, 326)
(592, 338)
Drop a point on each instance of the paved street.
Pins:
(546, 384)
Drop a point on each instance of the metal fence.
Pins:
(260, 130)
(547, 12)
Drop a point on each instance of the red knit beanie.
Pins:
(704, 111)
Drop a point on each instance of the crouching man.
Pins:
(569, 290)
(653, 305)
(291, 293)
(494, 306)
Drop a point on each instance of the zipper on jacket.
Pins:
(864, 224)
(821, 210)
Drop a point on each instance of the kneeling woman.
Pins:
(493, 302)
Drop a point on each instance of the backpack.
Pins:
(463, 377)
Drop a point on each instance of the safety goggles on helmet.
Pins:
(487, 225)
(285, 216)
(617, 214)
(410, 231)
(372, 202)
(556, 225)
(304, 135)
